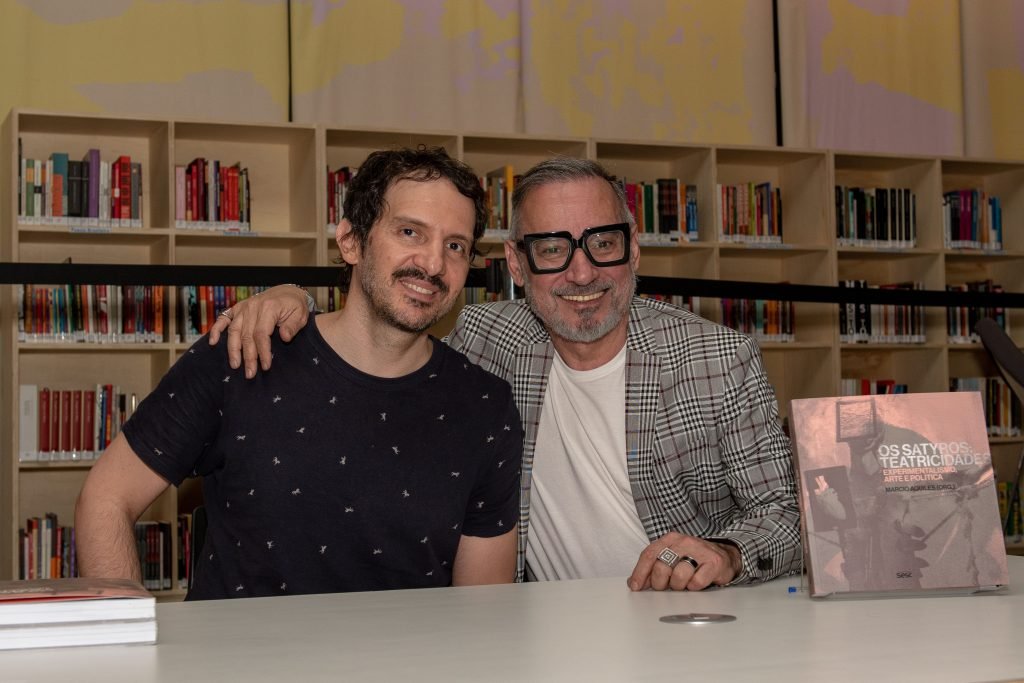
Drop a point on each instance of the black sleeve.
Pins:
(173, 427)
(494, 504)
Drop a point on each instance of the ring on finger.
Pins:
(690, 561)
(226, 313)
(669, 557)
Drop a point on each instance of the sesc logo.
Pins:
(904, 575)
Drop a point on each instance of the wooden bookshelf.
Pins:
(288, 165)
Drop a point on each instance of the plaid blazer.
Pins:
(705, 453)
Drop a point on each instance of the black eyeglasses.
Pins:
(551, 252)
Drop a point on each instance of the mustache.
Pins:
(417, 274)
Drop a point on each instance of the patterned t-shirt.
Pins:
(320, 478)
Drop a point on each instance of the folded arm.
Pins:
(117, 491)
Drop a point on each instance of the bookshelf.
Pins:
(288, 165)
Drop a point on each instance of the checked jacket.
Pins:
(705, 453)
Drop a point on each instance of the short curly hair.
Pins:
(365, 203)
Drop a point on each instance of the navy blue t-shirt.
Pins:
(320, 478)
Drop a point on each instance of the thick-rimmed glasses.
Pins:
(551, 252)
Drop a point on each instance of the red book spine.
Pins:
(88, 420)
(54, 420)
(115, 189)
(65, 420)
(44, 420)
(126, 186)
(76, 420)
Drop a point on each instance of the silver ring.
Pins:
(690, 561)
(669, 557)
(226, 313)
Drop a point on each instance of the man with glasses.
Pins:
(652, 446)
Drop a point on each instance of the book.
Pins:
(897, 495)
(76, 611)
(28, 423)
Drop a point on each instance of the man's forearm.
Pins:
(105, 543)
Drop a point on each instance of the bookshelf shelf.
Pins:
(288, 165)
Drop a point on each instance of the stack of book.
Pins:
(67, 612)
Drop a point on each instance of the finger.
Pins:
(219, 325)
(262, 331)
(247, 341)
(682, 576)
(640, 579)
(292, 323)
(234, 339)
(661, 574)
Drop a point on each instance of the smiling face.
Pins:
(416, 257)
(584, 304)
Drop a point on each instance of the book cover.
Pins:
(897, 494)
(75, 611)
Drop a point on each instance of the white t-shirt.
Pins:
(583, 520)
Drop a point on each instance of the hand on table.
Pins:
(717, 564)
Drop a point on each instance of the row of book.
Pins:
(119, 313)
(863, 386)
(971, 219)
(91, 313)
(210, 195)
(46, 550)
(337, 190)
(498, 284)
(92, 191)
(665, 210)
(750, 212)
(876, 217)
(70, 424)
(199, 305)
(1002, 407)
(153, 541)
(960, 320)
(880, 323)
(764, 319)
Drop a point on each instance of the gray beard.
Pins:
(587, 330)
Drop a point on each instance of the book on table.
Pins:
(897, 495)
(75, 611)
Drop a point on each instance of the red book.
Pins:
(158, 313)
(125, 182)
(115, 189)
(89, 420)
(58, 192)
(76, 421)
(44, 420)
(54, 420)
(65, 420)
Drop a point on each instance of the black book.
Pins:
(74, 207)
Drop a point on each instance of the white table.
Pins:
(560, 631)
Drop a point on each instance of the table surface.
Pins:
(556, 631)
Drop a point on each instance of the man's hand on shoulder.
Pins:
(679, 562)
(250, 323)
